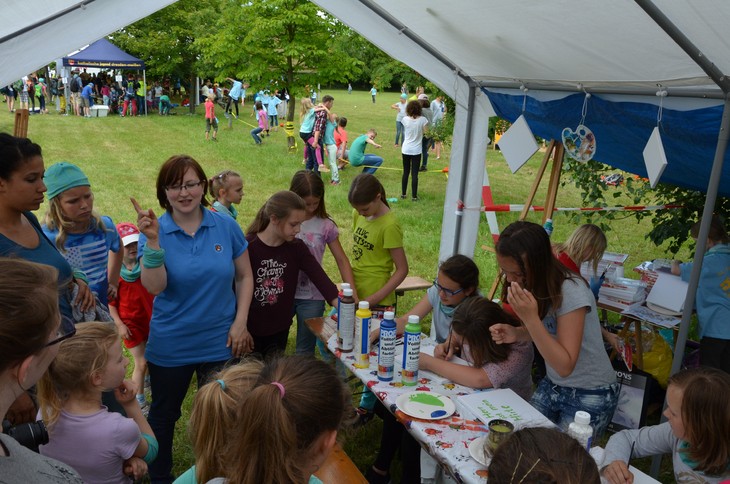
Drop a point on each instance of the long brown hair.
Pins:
(472, 320)
(293, 402)
(306, 184)
(529, 245)
(706, 416)
(28, 309)
(538, 455)
(280, 205)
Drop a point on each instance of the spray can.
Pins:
(386, 354)
(362, 335)
(343, 286)
(548, 226)
(346, 321)
(411, 351)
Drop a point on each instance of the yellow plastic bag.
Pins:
(657, 356)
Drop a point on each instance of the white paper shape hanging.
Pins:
(654, 157)
(579, 144)
(518, 144)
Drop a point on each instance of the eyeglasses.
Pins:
(66, 329)
(189, 186)
(448, 292)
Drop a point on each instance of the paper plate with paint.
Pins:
(425, 405)
(479, 451)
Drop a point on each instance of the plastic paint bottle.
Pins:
(343, 286)
(362, 335)
(411, 351)
(580, 429)
(346, 321)
(386, 354)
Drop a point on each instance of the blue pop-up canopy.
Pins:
(104, 55)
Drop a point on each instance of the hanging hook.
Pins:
(584, 111)
(661, 93)
(524, 97)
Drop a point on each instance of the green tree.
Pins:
(166, 40)
(277, 44)
(670, 225)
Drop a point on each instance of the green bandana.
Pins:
(131, 275)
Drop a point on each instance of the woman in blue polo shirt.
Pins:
(191, 258)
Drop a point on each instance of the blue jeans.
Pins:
(305, 309)
(559, 404)
(255, 133)
(372, 162)
(169, 387)
(400, 133)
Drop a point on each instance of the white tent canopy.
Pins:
(622, 50)
(42, 31)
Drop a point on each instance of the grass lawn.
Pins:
(121, 157)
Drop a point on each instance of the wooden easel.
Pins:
(556, 152)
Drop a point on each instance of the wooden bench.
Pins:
(339, 469)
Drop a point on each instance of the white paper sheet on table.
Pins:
(504, 404)
(428, 349)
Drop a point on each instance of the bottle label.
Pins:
(362, 341)
(411, 351)
(386, 355)
(346, 323)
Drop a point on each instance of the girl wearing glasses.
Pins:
(191, 257)
(29, 328)
(558, 312)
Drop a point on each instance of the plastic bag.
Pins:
(657, 356)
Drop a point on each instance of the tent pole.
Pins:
(710, 199)
(465, 163)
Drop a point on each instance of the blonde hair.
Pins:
(79, 357)
(294, 401)
(306, 106)
(56, 220)
(214, 414)
(220, 182)
(28, 309)
(587, 243)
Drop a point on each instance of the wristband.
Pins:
(78, 274)
(152, 448)
(153, 258)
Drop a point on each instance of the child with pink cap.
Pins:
(132, 308)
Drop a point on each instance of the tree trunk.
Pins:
(290, 140)
(192, 94)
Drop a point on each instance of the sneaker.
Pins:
(335, 182)
(404, 196)
(215, 139)
(324, 169)
(423, 168)
(376, 478)
(363, 417)
(414, 199)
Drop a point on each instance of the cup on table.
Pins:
(499, 431)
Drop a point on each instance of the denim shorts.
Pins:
(559, 404)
